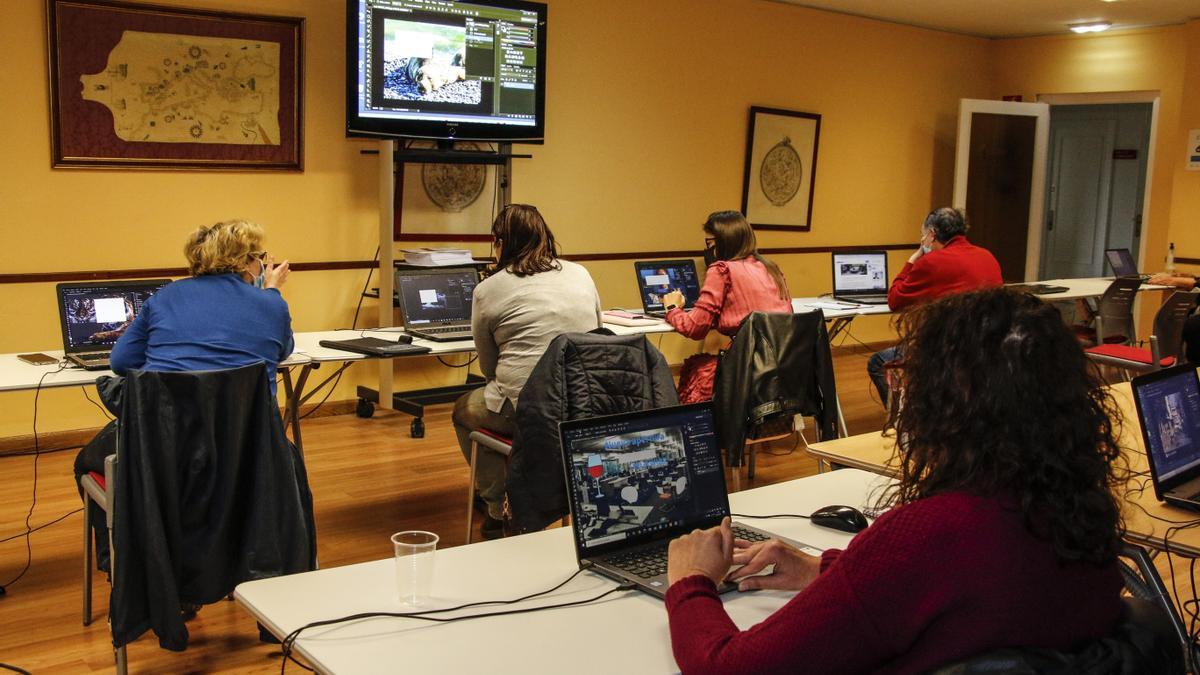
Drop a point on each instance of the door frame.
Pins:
(1037, 190)
(1152, 97)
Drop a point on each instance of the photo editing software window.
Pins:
(1171, 412)
(437, 298)
(658, 281)
(860, 271)
(98, 315)
(439, 60)
(640, 476)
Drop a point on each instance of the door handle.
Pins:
(1050, 221)
(1137, 225)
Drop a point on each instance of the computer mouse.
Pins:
(838, 517)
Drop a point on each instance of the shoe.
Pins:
(188, 610)
(492, 528)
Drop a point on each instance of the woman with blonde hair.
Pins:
(228, 314)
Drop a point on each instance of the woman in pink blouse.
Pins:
(739, 281)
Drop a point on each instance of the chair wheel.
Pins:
(365, 409)
(417, 428)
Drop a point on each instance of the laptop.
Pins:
(635, 481)
(1168, 409)
(1122, 264)
(861, 277)
(370, 346)
(95, 314)
(656, 278)
(436, 303)
(1037, 289)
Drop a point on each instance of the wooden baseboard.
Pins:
(77, 438)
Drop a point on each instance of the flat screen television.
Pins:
(443, 69)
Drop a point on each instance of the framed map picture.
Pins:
(144, 86)
(781, 167)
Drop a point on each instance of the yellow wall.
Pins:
(1185, 206)
(646, 133)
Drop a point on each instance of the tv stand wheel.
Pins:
(417, 428)
(365, 409)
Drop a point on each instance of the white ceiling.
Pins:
(1013, 18)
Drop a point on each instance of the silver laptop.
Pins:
(1122, 264)
(1168, 409)
(861, 277)
(94, 315)
(436, 303)
(636, 481)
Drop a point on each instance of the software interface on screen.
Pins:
(97, 315)
(1171, 415)
(644, 475)
(438, 60)
(859, 272)
(1121, 261)
(437, 298)
(658, 279)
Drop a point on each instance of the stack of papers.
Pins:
(437, 257)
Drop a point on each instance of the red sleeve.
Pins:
(696, 322)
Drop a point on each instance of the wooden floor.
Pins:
(368, 478)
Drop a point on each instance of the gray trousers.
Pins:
(491, 468)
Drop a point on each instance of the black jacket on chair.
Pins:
(778, 364)
(208, 493)
(581, 375)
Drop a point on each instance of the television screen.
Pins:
(446, 70)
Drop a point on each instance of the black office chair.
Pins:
(1113, 321)
(1150, 637)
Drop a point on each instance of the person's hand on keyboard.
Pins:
(793, 570)
(706, 552)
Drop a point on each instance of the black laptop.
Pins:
(436, 303)
(656, 278)
(636, 481)
(94, 315)
(1122, 264)
(1168, 408)
(861, 277)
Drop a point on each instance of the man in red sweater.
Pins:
(945, 263)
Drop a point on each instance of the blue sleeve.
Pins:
(130, 351)
(285, 328)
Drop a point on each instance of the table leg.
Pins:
(293, 396)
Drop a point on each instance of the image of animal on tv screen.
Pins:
(427, 62)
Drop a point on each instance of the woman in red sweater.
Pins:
(739, 281)
(1003, 529)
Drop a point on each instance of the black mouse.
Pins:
(837, 517)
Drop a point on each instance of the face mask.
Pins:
(261, 279)
(710, 255)
(926, 249)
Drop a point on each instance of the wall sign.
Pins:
(1193, 150)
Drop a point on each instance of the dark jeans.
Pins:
(876, 370)
(91, 458)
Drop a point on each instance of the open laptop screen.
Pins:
(1121, 262)
(656, 278)
(864, 272)
(433, 297)
(1169, 410)
(94, 315)
(643, 473)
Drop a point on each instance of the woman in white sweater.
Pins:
(530, 297)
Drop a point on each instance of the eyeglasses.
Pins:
(258, 255)
(709, 241)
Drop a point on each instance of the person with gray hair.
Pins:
(945, 263)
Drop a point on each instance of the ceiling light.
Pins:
(1090, 27)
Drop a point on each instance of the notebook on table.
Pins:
(94, 315)
(656, 278)
(636, 481)
(436, 303)
(861, 277)
(1122, 264)
(1168, 409)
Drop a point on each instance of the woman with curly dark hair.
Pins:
(1003, 529)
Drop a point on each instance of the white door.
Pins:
(1080, 189)
(1000, 179)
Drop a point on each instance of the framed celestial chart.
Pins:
(144, 86)
(780, 173)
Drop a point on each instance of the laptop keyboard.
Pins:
(445, 329)
(652, 561)
(92, 356)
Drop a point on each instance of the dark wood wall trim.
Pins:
(1188, 261)
(325, 266)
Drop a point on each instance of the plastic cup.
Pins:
(414, 565)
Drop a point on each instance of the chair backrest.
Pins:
(1114, 316)
(1168, 323)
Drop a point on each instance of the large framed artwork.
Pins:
(781, 167)
(145, 86)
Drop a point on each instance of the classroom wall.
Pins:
(647, 119)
